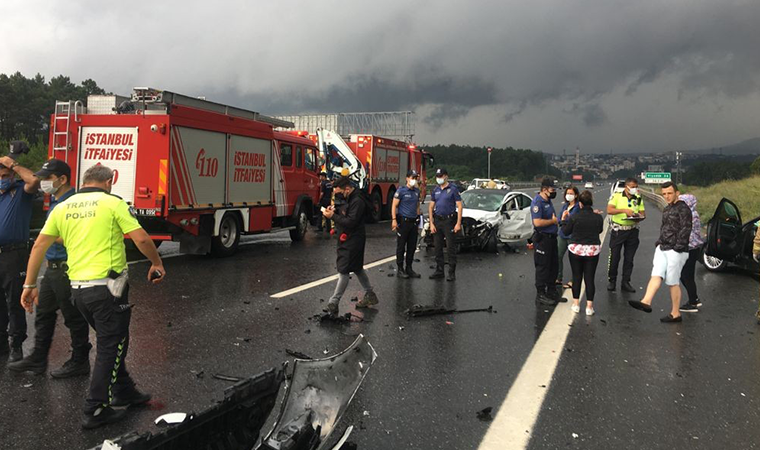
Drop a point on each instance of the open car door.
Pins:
(724, 232)
(516, 224)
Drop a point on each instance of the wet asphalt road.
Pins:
(624, 381)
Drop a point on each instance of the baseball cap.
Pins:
(412, 173)
(547, 182)
(54, 167)
(441, 171)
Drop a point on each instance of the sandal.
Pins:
(568, 285)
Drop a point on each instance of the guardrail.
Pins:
(657, 199)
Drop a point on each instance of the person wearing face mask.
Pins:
(349, 214)
(405, 212)
(92, 224)
(445, 213)
(545, 228)
(569, 208)
(55, 292)
(15, 215)
(626, 210)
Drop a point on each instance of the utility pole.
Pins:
(489, 162)
(678, 167)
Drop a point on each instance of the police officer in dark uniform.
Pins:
(325, 199)
(445, 221)
(405, 212)
(55, 293)
(544, 239)
(15, 214)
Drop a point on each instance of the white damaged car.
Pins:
(491, 216)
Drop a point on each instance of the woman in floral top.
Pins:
(695, 251)
(584, 229)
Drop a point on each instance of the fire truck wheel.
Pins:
(301, 224)
(227, 242)
(377, 207)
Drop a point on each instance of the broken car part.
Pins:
(423, 311)
(319, 394)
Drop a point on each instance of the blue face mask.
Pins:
(6, 184)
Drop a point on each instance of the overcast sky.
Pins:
(602, 75)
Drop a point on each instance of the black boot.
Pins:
(412, 273)
(612, 286)
(72, 368)
(35, 363)
(452, 273)
(17, 354)
(130, 397)
(625, 286)
(438, 274)
(103, 416)
(543, 299)
(401, 272)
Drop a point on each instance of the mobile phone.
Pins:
(323, 209)
(156, 274)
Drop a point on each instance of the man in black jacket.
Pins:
(349, 227)
(671, 253)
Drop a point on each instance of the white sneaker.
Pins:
(590, 311)
(576, 308)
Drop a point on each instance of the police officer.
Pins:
(325, 199)
(625, 233)
(445, 214)
(405, 212)
(92, 224)
(544, 239)
(55, 293)
(15, 214)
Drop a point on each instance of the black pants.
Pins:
(445, 228)
(12, 315)
(110, 318)
(55, 294)
(584, 269)
(328, 222)
(627, 240)
(546, 259)
(687, 274)
(406, 241)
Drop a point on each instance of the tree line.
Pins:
(26, 105)
(464, 162)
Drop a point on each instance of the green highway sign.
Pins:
(656, 177)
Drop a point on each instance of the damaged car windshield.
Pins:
(482, 199)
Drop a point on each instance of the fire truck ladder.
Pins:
(62, 125)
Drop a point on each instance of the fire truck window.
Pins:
(311, 162)
(286, 155)
(299, 156)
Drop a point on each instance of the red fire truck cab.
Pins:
(194, 171)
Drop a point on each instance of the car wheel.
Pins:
(302, 223)
(713, 264)
(377, 207)
(492, 245)
(226, 243)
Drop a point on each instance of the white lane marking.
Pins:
(513, 425)
(322, 281)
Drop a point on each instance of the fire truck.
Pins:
(379, 165)
(193, 171)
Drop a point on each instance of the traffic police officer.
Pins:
(544, 239)
(405, 212)
(55, 293)
(445, 214)
(92, 224)
(15, 214)
(625, 233)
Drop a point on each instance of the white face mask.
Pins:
(439, 180)
(633, 191)
(412, 182)
(570, 197)
(48, 186)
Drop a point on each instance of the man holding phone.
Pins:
(92, 225)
